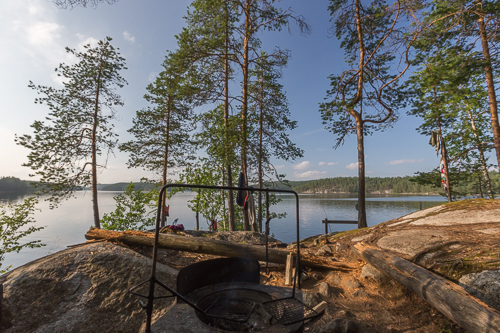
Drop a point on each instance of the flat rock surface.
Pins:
(424, 212)
(412, 241)
(84, 289)
(460, 217)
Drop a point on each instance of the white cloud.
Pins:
(152, 76)
(281, 166)
(86, 41)
(311, 132)
(302, 165)
(406, 161)
(43, 33)
(128, 37)
(352, 166)
(333, 163)
(310, 174)
(31, 29)
(321, 163)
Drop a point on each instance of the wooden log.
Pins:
(210, 246)
(444, 295)
(320, 307)
(289, 270)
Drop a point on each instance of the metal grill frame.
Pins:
(291, 307)
(153, 280)
(229, 313)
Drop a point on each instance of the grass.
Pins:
(473, 204)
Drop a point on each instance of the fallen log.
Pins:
(210, 246)
(444, 295)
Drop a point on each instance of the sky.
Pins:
(34, 34)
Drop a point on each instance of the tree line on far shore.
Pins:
(374, 185)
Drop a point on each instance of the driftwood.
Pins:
(210, 246)
(444, 295)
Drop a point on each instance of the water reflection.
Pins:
(6, 197)
(314, 208)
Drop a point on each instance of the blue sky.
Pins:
(34, 34)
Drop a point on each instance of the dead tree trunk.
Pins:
(210, 246)
(444, 295)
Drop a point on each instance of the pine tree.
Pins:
(270, 123)
(366, 97)
(161, 131)
(64, 149)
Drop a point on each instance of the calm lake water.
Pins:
(67, 224)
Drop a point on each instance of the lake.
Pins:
(67, 224)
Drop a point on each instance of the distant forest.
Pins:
(123, 186)
(374, 185)
(14, 185)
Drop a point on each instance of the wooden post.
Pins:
(289, 270)
(326, 222)
(1, 297)
(444, 295)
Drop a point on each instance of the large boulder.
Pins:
(484, 285)
(84, 289)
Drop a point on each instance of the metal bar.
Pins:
(339, 222)
(268, 219)
(297, 264)
(153, 280)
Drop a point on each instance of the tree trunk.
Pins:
(165, 160)
(244, 109)
(482, 159)
(197, 220)
(223, 207)
(444, 155)
(361, 174)
(211, 246)
(95, 204)
(444, 295)
(480, 186)
(489, 81)
(261, 130)
(227, 162)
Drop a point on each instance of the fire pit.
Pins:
(182, 318)
(224, 295)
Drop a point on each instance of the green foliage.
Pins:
(161, 131)
(464, 182)
(135, 210)
(269, 117)
(13, 219)
(368, 95)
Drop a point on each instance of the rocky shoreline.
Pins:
(85, 289)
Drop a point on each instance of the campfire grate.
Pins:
(238, 310)
(289, 310)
